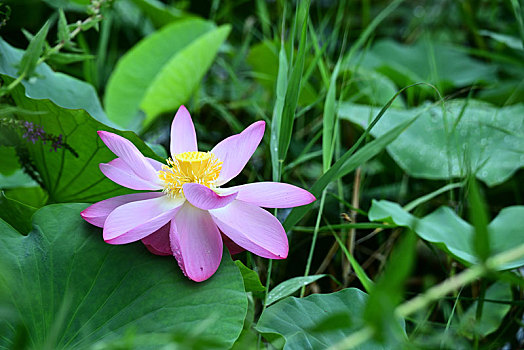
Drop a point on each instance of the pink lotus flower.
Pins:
(187, 214)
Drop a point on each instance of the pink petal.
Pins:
(196, 243)
(97, 213)
(128, 152)
(155, 164)
(252, 228)
(136, 220)
(183, 136)
(236, 150)
(272, 194)
(120, 172)
(158, 242)
(232, 246)
(205, 198)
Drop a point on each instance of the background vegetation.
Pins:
(404, 118)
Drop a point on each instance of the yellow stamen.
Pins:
(189, 167)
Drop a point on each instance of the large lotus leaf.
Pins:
(469, 135)
(66, 177)
(71, 289)
(62, 89)
(445, 228)
(444, 65)
(161, 71)
(297, 320)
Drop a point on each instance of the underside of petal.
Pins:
(158, 242)
(205, 198)
(252, 228)
(97, 213)
(131, 156)
(119, 172)
(136, 220)
(196, 242)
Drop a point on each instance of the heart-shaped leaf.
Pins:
(470, 136)
(448, 231)
(71, 289)
(161, 71)
(64, 90)
(297, 320)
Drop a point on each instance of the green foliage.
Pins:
(68, 176)
(446, 66)
(411, 78)
(251, 280)
(160, 73)
(289, 287)
(63, 90)
(30, 58)
(466, 136)
(448, 231)
(89, 291)
(296, 320)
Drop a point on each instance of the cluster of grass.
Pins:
(404, 118)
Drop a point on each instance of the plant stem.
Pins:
(314, 241)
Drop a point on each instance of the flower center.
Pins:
(189, 167)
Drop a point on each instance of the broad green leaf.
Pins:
(159, 13)
(65, 91)
(161, 72)
(30, 58)
(251, 280)
(371, 88)
(443, 65)
(66, 177)
(295, 319)
(470, 135)
(448, 231)
(71, 289)
(289, 287)
(11, 175)
(492, 312)
(9, 163)
(16, 213)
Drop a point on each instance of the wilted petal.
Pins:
(136, 220)
(158, 242)
(197, 239)
(272, 194)
(183, 136)
(120, 172)
(205, 198)
(128, 152)
(236, 150)
(252, 228)
(97, 213)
